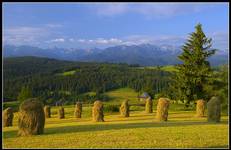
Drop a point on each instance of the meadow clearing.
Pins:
(140, 130)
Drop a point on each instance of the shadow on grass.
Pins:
(102, 127)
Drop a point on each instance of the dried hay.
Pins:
(124, 109)
(78, 110)
(200, 109)
(31, 117)
(214, 109)
(97, 111)
(148, 105)
(47, 111)
(61, 113)
(8, 116)
(162, 109)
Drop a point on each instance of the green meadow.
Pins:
(140, 130)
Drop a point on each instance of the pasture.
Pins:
(140, 130)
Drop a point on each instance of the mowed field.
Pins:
(140, 130)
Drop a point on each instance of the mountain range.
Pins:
(143, 54)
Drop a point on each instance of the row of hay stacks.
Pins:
(32, 114)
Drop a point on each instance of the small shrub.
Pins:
(111, 108)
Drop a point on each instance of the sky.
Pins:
(101, 25)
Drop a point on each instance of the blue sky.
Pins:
(87, 25)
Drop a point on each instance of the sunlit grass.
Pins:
(67, 73)
(140, 130)
(119, 95)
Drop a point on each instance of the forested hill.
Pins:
(52, 80)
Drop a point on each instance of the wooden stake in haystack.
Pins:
(97, 111)
(200, 109)
(47, 111)
(162, 109)
(61, 113)
(148, 105)
(78, 110)
(214, 109)
(8, 116)
(31, 117)
(124, 109)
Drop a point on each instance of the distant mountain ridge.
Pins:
(143, 54)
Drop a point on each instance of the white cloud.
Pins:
(157, 40)
(111, 9)
(102, 41)
(220, 40)
(58, 40)
(28, 35)
(51, 25)
(24, 35)
(151, 10)
(81, 40)
(71, 40)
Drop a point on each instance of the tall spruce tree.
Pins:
(195, 71)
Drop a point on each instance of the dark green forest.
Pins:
(49, 80)
(46, 79)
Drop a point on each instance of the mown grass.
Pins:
(169, 68)
(67, 73)
(119, 95)
(140, 130)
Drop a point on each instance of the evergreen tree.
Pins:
(195, 72)
(25, 93)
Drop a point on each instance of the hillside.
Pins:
(53, 80)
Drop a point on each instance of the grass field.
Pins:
(119, 95)
(67, 73)
(169, 68)
(140, 130)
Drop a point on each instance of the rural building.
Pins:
(143, 97)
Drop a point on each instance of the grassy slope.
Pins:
(67, 73)
(169, 68)
(119, 95)
(139, 130)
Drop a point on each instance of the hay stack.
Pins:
(61, 113)
(78, 110)
(97, 112)
(124, 109)
(8, 116)
(148, 105)
(214, 109)
(31, 119)
(200, 109)
(162, 109)
(47, 111)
